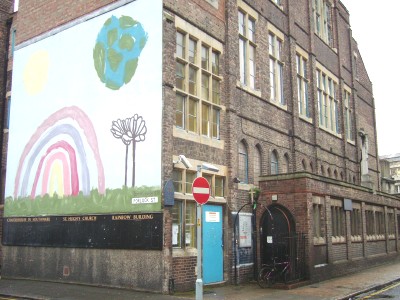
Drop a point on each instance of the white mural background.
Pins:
(58, 72)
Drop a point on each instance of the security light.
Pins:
(209, 167)
(182, 158)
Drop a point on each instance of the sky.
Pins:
(375, 27)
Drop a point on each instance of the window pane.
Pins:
(204, 57)
(177, 179)
(190, 225)
(180, 76)
(241, 23)
(215, 92)
(242, 57)
(251, 31)
(274, 163)
(180, 111)
(205, 90)
(252, 66)
(243, 163)
(192, 117)
(192, 81)
(190, 177)
(215, 63)
(180, 45)
(272, 79)
(219, 186)
(271, 44)
(177, 224)
(192, 50)
(215, 124)
(205, 119)
(280, 81)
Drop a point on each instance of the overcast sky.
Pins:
(375, 26)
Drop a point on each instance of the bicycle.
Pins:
(269, 273)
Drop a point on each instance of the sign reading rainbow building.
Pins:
(85, 119)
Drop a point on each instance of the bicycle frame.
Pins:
(270, 272)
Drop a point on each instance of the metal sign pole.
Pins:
(199, 281)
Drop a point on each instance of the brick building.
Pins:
(390, 173)
(274, 94)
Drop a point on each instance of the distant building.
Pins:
(390, 173)
(115, 107)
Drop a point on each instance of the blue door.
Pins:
(213, 247)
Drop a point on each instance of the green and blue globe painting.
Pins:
(117, 50)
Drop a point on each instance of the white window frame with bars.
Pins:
(276, 66)
(375, 222)
(247, 19)
(198, 82)
(328, 102)
(390, 213)
(323, 25)
(338, 221)
(303, 91)
(356, 222)
(319, 233)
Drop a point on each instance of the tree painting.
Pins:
(130, 131)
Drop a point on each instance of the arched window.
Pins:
(285, 164)
(329, 173)
(335, 174)
(322, 171)
(274, 163)
(304, 165)
(257, 165)
(243, 163)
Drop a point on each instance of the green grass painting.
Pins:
(114, 201)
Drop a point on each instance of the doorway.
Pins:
(213, 246)
(277, 226)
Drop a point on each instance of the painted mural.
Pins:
(85, 119)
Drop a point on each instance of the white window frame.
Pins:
(323, 25)
(276, 66)
(303, 91)
(349, 115)
(328, 102)
(247, 20)
(200, 76)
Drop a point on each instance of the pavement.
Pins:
(339, 288)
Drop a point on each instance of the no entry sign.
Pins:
(201, 190)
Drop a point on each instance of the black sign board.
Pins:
(118, 231)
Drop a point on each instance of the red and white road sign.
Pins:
(201, 190)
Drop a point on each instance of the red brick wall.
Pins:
(295, 193)
(39, 16)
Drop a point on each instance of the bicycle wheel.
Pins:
(265, 277)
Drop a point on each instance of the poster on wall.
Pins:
(85, 121)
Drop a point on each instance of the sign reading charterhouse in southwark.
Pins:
(201, 190)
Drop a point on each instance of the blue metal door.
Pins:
(213, 247)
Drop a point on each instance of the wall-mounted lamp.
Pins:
(236, 180)
(208, 167)
(182, 158)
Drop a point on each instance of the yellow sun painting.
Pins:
(36, 72)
